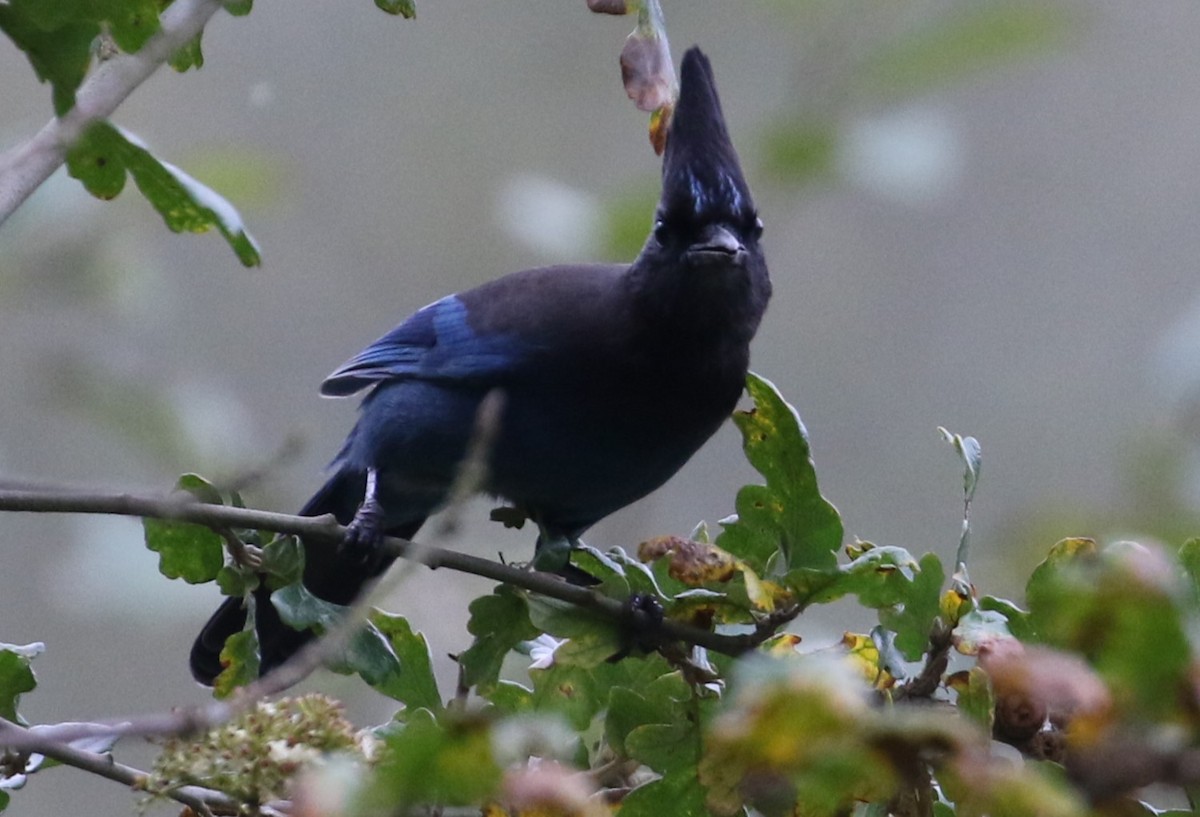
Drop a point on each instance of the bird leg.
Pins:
(641, 622)
(552, 553)
(364, 532)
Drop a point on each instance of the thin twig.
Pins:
(936, 661)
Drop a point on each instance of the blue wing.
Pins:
(436, 343)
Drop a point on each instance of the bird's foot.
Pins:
(243, 554)
(552, 554)
(641, 626)
(364, 533)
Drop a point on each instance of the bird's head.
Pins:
(703, 252)
(706, 219)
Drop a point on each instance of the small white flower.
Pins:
(541, 650)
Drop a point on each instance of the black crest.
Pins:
(701, 173)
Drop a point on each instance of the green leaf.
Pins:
(596, 637)
(283, 561)
(239, 8)
(104, 153)
(367, 653)
(665, 747)
(1046, 581)
(60, 50)
(4, 800)
(132, 22)
(577, 693)
(880, 577)
(240, 661)
(403, 8)
(971, 454)
(1189, 557)
(510, 698)
(235, 581)
(975, 38)
(430, 761)
(975, 698)
(805, 723)
(199, 487)
(189, 56)
(590, 650)
(185, 551)
(1125, 611)
(96, 160)
(57, 36)
(619, 573)
(499, 623)
(679, 795)
(981, 629)
(913, 619)
(1018, 619)
(788, 515)
(661, 701)
(414, 686)
(16, 676)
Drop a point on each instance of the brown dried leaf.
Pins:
(647, 72)
(693, 563)
(617, 7)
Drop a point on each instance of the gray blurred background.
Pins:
(978, 215)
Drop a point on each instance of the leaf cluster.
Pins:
(560, 710)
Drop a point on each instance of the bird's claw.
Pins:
(641, 625)
(243, 554)
(360, 544)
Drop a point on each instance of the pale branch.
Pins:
(25, 167)
(182, 507)
(48, 743)
(184, 721)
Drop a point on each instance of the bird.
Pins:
(611, 377)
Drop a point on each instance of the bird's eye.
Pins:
(661, 232)
(756, 227)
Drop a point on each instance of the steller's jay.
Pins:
(611, 377)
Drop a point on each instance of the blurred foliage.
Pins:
(255, 754)
(1091, 678)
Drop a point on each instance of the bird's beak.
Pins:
(718, 245)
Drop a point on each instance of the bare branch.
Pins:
(184, 508)
(25, 167)
(52, 745)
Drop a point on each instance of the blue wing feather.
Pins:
(436, 343)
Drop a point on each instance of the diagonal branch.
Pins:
(199, 799)
(26, 166)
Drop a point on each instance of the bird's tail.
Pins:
(327, 574)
